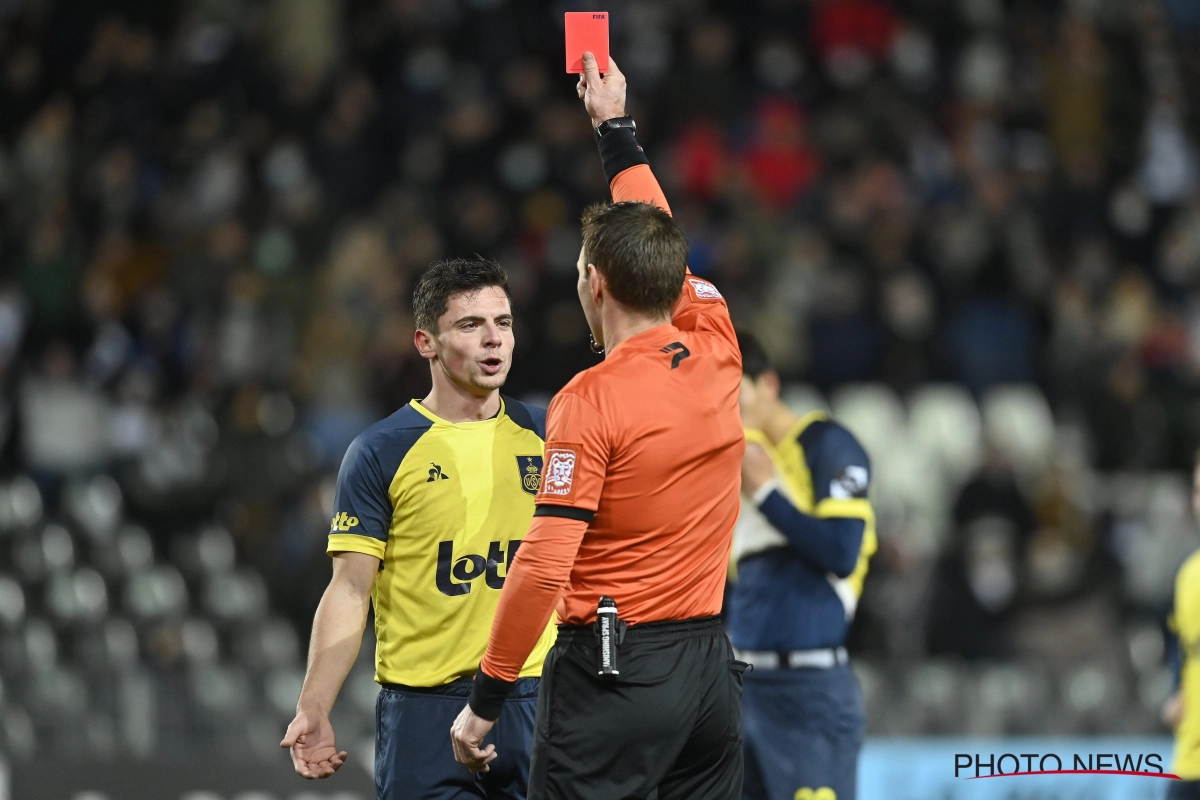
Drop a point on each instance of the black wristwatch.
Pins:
(614, 123)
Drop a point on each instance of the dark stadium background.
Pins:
(971, 227)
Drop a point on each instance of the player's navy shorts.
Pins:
(413, 756)
(803, 729)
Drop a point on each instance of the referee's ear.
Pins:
(596, 282)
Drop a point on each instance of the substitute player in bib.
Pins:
(801, 548)
(638, 500)
(432, 504)
(1182, 711)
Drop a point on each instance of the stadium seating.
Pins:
(1017, 420)
(943, 419)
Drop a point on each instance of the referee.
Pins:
(638, 501)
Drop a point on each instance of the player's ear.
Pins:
(426, 344)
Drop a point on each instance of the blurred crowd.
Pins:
(213, 211)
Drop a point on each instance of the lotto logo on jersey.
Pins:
(454, 576)
(342, 522)
(704, 290)
(559, 476)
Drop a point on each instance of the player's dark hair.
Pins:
(755, 360)
(443, 280)
(640, 251)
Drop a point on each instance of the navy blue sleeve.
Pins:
(840, 470)
(362, 506)
(839, 465)
(539, 420)
(531, 418)
(830, 545)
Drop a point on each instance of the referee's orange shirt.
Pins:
(643, 466)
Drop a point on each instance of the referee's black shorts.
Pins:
(671, 721)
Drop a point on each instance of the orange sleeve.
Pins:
(573, 469)
(639, 185)
(531, 590)
(576, 455)
(701, 308)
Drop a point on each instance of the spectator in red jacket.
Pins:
(779, 164)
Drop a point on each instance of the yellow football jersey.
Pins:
(1185, 623)
(445, 506)
(792, 597)
(798, 460)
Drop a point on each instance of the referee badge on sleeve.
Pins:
(558, 478)
(530, 469)
(702, 289)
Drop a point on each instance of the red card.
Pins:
(586, 30)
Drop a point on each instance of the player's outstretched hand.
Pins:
(604, 98)
(467, 737)
(314, 752)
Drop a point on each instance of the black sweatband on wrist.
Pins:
(619, 150)
(567, 512)
(488, 695)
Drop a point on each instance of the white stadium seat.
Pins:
(873, 412)
(803, 398)
(944, 419)
(1018, 421)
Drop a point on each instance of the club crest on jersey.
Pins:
(342, 522)
(530, 469)
(559, 476)
(704, 290)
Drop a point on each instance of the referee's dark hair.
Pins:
(444, 279)
(755, 360)
(640, 251)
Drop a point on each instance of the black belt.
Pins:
(659, 629)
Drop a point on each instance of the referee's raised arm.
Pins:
(700, 306)
(634, 518)
(604, 100)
